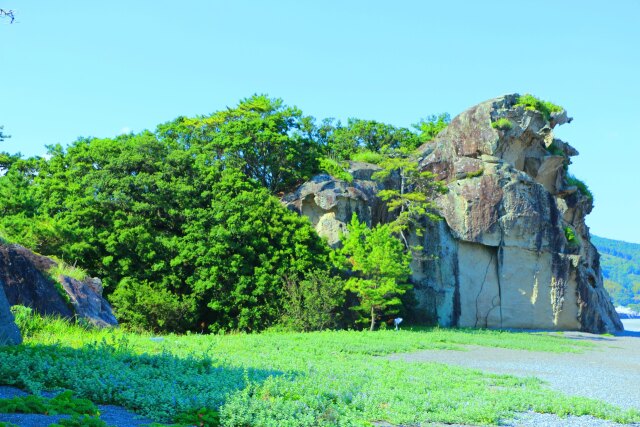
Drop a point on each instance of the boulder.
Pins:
(9, 333)
(25, 280)
(501, 257)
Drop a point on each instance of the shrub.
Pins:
(80, 421)
(570, 234)
(532, 103)
(63, 269)
(502, 124)
(572, 181)
(335, 169)
(313, 303)
(367, 156)
(474, 174)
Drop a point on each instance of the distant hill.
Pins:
(620, 263)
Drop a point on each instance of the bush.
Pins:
(313, 303)
(572, 181)
(336, 169)
(570, 234)
(502, 124)
(368, 157)
(475, 174)
(532, 103)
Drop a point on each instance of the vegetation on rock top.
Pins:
(530, 102)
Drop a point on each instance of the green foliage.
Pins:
(315, 379)
(336, 169)
(27, 321)
(63, 403)
(620, 262)
(179, 236)
(475, 174)
(380, 265)
(582, 187)
(553, 149)
(80, 421)
(502, 124)
(530, 102)
(203, 417)
(367, 156)
(3, 424)
(430, 127)
(313, 303)
(570, 235)
(414, 200)
(63, 269)
(343, 142)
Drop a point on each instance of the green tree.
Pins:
(269, 141)
(430, 127)
(380, 268)
(414, 199)
(314, 302)
(342, 142)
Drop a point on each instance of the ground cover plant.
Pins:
(289, 379)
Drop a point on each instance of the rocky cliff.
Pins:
(25, 280)
(513, 250)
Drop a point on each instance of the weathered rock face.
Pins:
(24, 280)
(502, 255)
(9, 333)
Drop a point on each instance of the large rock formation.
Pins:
(9, 333)
(513, 250)
(25, 279)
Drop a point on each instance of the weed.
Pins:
(572, 181)
(474, 174)
(502, 124)
(530, 102)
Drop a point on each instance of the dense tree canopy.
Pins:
(183, 224)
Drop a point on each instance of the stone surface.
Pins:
(25, 281)
(9, 333)
(500, 258)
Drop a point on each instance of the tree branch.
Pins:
(8, 13)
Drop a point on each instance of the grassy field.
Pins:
(289, 379)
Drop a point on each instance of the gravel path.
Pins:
(610, 372)
(113, 415)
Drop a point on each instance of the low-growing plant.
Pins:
(297, 379)
(572, 181)
(368, 156)
(203, 417)
(570, 235)
(80, 421)
(63, 403)
(61, 268)
(336, 169)
(530, 102)
(3, 424)
(474, 174)
(502, 124)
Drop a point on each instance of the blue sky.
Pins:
(98, 68)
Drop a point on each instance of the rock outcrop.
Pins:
(9, 333)
(513, 250)
(25, 280)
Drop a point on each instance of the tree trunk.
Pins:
(373, 319)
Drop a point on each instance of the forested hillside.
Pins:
(184, 224)
(621, 269)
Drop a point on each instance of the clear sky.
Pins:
(101, 68)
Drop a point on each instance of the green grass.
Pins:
(63, 269)
(502, 124)
(572, 181)
(530, 102)
(290, 379)
(475, 173)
